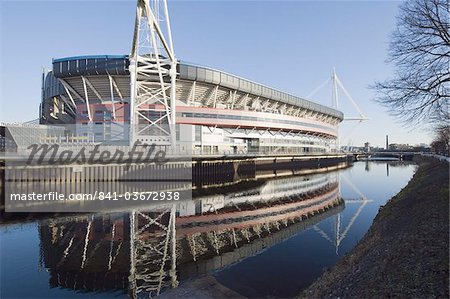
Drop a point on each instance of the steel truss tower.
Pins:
(152, 251)
(153, 76)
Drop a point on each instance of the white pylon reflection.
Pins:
(340, 234)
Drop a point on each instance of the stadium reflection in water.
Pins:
(136, 251)
(270, 240)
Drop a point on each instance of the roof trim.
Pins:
(90, 57)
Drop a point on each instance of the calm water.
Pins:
(257, 242)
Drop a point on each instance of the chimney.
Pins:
(387, 142)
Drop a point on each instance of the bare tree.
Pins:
(420, 52)
(440, 144)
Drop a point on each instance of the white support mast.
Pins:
(153, 76)
(336, 86)
(335, 104)
(334, 91)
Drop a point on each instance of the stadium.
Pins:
(216, 112)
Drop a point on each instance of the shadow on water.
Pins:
(269, 240)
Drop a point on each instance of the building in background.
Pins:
(400, 147)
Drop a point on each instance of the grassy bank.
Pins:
(405, 253)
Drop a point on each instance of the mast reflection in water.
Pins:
(144, 253)
(267, 241)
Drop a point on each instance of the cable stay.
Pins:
(336, 87)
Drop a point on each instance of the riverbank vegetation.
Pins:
(441, 141)
(405, 252)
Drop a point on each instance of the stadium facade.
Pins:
(216, 112)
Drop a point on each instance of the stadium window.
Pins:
(198, 133)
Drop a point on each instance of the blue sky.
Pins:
(289, 45)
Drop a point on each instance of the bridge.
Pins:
(386, 155)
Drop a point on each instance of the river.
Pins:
(269, 240)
